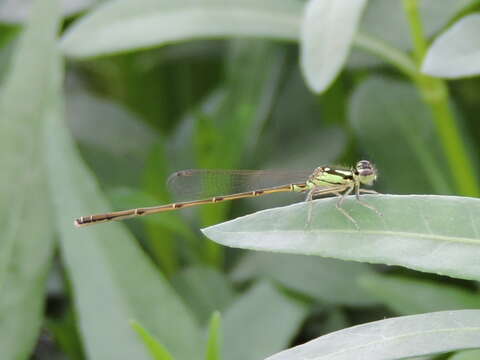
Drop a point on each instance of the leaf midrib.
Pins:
(464, 240)
(195, 10)
(394, 338)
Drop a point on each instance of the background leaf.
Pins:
(456, 52)
(395, 338)
(399, 121)
(326, 36)
(108, 291)
(214, 344)
(12, 11)
(26, 243)
(8, 39)
(157, 350)
(205, 290)
(323, 279)
(466, 355)
(127, 25)
(279, 317)
(109, 136)
(385, 20)
(413, 296)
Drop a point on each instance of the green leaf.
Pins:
(438, 234)
(466, 355)
(259, 323)
(112, 278)
(411, 296)
(12, 11)
(134, 24)
(395, 338)
(385, 22)
(109, 136)
(28, 98)
(7, 35)
(157, 171)
(106, 125)
(65, 333)
(336, 319)
(157, 350)
(455, 53)
(323, 279)
(161, 243)
(239, 110)
(214, 344)
(204, 290)
(397, 131)
(325, 143)
(8, 42)
(233, 116)
(327, 34)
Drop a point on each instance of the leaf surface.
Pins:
(395, 338)
(328, 30)
(439, 234)
(456, 52)
(326, 280)
(28, 98)
(157, 350)
(112, 278)
(259, 323)
(132, 24)
(400, 122)
(408, 296)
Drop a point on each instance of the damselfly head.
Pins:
(366, 172)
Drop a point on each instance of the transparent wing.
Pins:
(202, 183)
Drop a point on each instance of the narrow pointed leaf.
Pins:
(328, 29)
(466, 355)
(157, 350)
(439, 234)
(323, 279)
(26, 234)
(386, 22)
(111, 122)
(408, 296)
(205, 290)
(133, 24)
(260, 323)
(400, 121)
(396, 338)
(112, 279)
(214, 343)
(456, 52)
(14, 11)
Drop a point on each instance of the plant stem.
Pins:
(435, 93)
(416, 29)
(387, 52)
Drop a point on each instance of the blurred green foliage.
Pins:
(99, 105)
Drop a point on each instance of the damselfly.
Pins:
(222, 185)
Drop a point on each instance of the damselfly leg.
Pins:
(363, 203)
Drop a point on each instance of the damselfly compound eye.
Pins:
(366, 172)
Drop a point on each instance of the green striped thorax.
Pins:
(363, 173)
